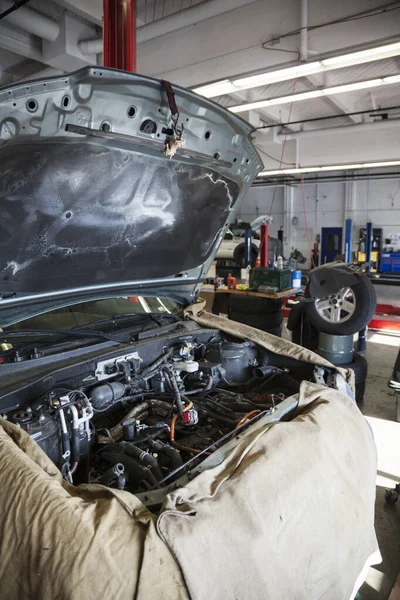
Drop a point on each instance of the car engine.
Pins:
(136, 424)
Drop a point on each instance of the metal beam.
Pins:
(92, 10)
(229, 45)
(340, 102)
(275, 114)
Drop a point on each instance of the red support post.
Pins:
(130, 36)
(119, 34)
(264, 245)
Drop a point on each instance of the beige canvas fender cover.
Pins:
(288, 515)
(61, 542)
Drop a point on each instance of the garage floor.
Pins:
(379, 407)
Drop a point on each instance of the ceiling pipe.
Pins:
(383, 124)
(91, 46)
(189, 16)
(175, 22)
(304, 30)
(292, 180)
(31, 21)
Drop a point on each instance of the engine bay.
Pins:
(144, 420)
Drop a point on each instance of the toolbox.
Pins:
(390, 262)
(280, 279)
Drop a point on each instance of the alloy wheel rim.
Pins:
(337, 308)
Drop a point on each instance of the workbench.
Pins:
(208, 293)
(275, 296)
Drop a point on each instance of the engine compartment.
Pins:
(140, 420)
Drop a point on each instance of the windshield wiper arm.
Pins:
(42, 333)
(155, 317)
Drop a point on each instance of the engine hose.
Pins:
(171, 453)
(167, 379)
(66, 444)
(218, 417)
(226, 406)
(202, 391)
(153, 368)
(175, 390)
(242, 406)
(236, 384)
(139, 411)
(112, 474)
(141, 396)
(134, 469)
(144, 457)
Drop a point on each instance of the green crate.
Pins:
(276, 278)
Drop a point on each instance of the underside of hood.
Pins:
(90, 202)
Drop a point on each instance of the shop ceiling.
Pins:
(273, 62)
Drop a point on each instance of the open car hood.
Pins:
(92, 207)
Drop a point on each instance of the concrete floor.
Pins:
(388, 294)
(380, 410)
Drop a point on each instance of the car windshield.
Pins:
(85, 313)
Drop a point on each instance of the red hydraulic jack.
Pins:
(119, 34)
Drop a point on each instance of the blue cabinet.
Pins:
(390, 262)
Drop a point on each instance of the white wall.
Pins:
(327, 205)
(258, 202)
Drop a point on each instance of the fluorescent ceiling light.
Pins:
(392, 79)
(297, 171)
(351, 87)
(228, 86)
(329, 91)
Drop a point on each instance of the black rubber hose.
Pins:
(173, 455)
(218, 417)
(66, 444)
(133, 397)
(167, 379)
(225, 407)
(263, 371)
(237, 384)
(134, 469)
(175, 391)
(203, 390)
(75, 446)
(157, 364)
(243, 406)
(144, 457)
(140, 411)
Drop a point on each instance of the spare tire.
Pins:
(346, 312)
(251, 305)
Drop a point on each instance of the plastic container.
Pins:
(270, 277)
(231, 281)
(296, 280)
